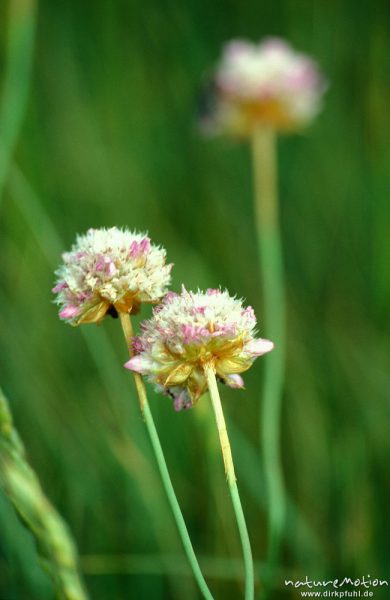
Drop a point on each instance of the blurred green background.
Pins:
(98, 128)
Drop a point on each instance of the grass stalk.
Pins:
(271, 262)
(160, 459)
(20, 42)
(231, 480)
(20, 484)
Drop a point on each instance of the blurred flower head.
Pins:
(109, 271)
(263, 84)
(188, 331)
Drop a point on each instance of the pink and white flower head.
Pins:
(188, 331)
(267, 83)
(109, 271)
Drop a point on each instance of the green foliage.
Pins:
(109, 138)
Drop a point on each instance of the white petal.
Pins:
(234, 381)
(259, 347)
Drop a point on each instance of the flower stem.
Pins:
(231, 479)
(271, 262)
(19, 482)
(158, 451)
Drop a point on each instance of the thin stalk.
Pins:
(231, 480)
(159, 454)
(271, 262)
(17, 76)
(18, 481)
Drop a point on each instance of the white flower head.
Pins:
(109, 271)
(267, 83)
(188, 331)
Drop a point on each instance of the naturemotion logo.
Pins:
(361, 587)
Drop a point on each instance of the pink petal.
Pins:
(137, 364)
(137, 345)
(145, 245)
(100, 264)
(61, 285)
(69, 312)
(134, 249)
(259, 347)
(193, 333)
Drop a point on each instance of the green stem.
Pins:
(271, 261)
(20, 42)
(159, 454)
(54, 543)
(231, 480)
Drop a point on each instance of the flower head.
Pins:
(188, 331)
(267, 83)
(109, 271)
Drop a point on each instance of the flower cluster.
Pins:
(267, 83)
(188, 331)
(109, 271)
